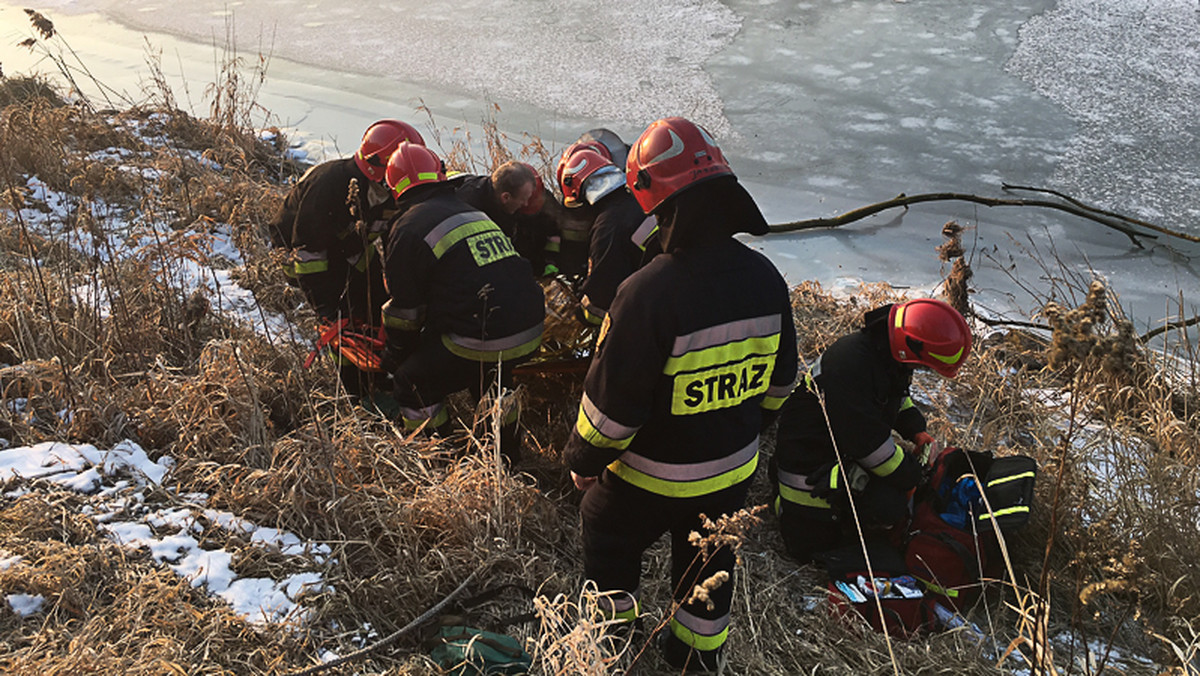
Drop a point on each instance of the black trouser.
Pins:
(433, 372)
(620, 521)
(808, 530)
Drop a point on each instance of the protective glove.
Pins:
(927, 448)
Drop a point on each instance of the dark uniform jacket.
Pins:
(319, 222)
(698, 345)
(451, 271)
(866, 397)
(618, 241)
(529, 233)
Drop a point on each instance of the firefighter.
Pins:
(574, 225)
(856, 395)
(514, 197)
(695, 357)
(618, 232)
(329, 222)
(463, 309)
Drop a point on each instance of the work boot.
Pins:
(688, 659)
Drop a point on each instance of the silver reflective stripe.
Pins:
(617, 602)
(700, 625)
(306, 256)
(780, 390)
(644, 231)
(420, 413)
(691, 471)
(409, 314)
(445, 227)
(726, 333)
(880, 455)
(798, 481)
(604, 424)
(496, 344)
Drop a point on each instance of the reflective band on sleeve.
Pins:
(887, 466)
(1004, 512)
(885, 453)
(776, 396)
(592, 312)
(699, 633)
(494, 349)
(404, 319)
(1006, 479)
(907, 403)
(687, 480)
(599, 430)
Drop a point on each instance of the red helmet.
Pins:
(574, 170)
(672, 154)
(929, 333)
(378, 144)
(411, 165)
(587, 144)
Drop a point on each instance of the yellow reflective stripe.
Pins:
(699, 641)
(504, 348)
(900, 316)
(310, 267)
(1006, 479)
(907, 403)
(460, 233)
(890, 465)
(552, 246)
(722, 354)
(593, 435)
(938, 589)
(799, 497)
(684, 489)
(773, 403)
(946, 359)
(592, 313)
(427, 176)
(394, 322)
(401, 185)
(1004, 512)
(412, 421)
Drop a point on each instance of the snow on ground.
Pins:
(120, 480)
(199, 258)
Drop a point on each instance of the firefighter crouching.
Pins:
(514, 197)
(618, 231)
(463, 308)
(863, 381)
(329, 222)
(696, 354)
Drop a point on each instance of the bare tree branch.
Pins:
(1113, 214)
(904, 200)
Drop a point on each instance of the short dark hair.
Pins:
(510, 176)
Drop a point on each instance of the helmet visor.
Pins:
(604, 181)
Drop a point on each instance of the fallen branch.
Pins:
(1112, 214)
(904, 200)
(1179, 324)
(391, 638)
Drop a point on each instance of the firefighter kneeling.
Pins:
(463, 307)
(855, 395)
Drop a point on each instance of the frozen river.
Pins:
(821, 106)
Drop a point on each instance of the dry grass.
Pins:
(1113, 544)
